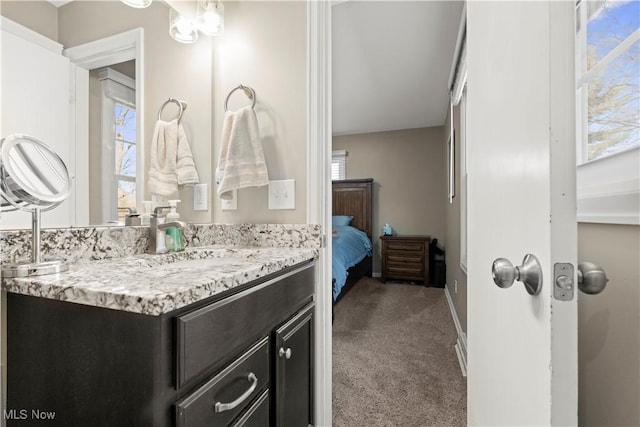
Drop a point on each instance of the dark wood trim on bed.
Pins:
(355, 197)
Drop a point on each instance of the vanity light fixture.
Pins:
(138, 4)
(210, 17)
(182, 29)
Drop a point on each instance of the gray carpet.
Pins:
(394, 363)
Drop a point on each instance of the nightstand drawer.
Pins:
(404, 257)
(406, 246)
(408, 268)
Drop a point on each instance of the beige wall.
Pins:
(265, 46)
(409, 187)
(39, 16)
(456, 277)
(609, 328)
(128, 68)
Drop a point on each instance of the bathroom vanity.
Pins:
(215, 339)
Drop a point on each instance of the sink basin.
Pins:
(198, 258)
(202, 263)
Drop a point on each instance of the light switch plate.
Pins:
(200, 197)
(230, 204)
(282, 194)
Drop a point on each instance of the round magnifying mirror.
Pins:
(32, 175)
(32, 178)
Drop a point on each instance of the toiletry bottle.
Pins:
(161, 248)
(147, 208)
(174, 240)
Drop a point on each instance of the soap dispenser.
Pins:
(147, 208)
(174, 240)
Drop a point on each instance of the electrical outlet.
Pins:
(200, 197)
(232, 203)
(282, 194)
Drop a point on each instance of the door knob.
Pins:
(529, 273)
(286, 353)
(592, 279)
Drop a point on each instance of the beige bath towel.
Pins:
(171, 160)
(241, 161)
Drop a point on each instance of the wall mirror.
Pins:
(33, 178)
(96, 42)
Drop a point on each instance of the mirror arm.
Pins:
(35, 236)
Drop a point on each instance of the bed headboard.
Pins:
(353, 197)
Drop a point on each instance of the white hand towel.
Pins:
(241, 161)
(185, 166)
(163, 179)
(171, 161)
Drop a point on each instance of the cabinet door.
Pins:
(293, 370)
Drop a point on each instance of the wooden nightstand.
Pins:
(405, 258)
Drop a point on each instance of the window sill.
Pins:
(608, 190)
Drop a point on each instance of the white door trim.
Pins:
(100, 53)
(319, 200)
(564, 226)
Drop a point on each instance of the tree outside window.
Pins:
(608, 68)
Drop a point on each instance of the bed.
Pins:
(351, 244)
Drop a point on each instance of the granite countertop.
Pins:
(158, 284)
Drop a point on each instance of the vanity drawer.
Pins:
(257, 415)
(235, 387)
(209, 337)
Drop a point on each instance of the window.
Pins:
(119, 146)
(608, 63)
(338, 165)
(608, 110)
(125, 157)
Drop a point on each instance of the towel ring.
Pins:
(182, 105)
(251, 94)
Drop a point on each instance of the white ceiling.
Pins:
(391, 64)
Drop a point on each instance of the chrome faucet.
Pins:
(155, 227)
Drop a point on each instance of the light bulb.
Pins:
(182, 29)
(210, 17)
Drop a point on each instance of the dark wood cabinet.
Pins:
(405, 258)
(293, 371)
(215, 362)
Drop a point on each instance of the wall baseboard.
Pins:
(461, 343)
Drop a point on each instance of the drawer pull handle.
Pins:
(286, 353)
(221, 407)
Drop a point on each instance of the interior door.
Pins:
(522, 355)
(35, 101)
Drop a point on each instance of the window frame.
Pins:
(339, 158)
(607, 188)
(116, 89)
